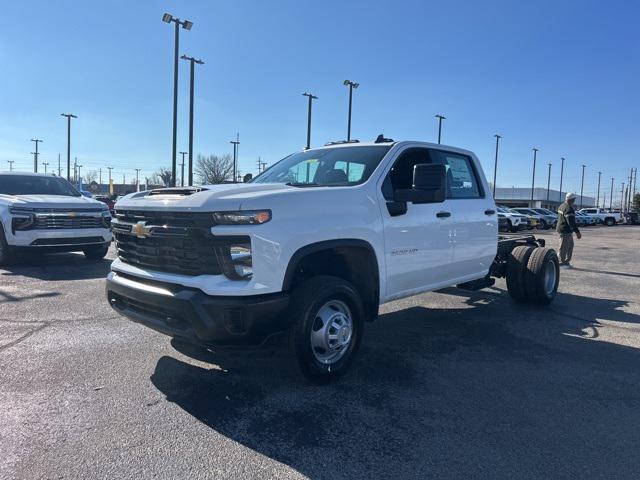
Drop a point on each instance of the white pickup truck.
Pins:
(606, 217)
(45, 213)
(313, 246)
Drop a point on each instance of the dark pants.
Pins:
(566, 247)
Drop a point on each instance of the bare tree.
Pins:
(90, 176)
(214, 169)
(161, 176)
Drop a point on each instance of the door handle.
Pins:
(443, 214)
(489, 212)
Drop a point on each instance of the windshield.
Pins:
(326, 167)
(35, 185)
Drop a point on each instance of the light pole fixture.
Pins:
(548, 184)
(533, 176)
(311, 99)
(598, 196)
(582, 186)
(561, 172)
(69, 117)
(235, 143)
(192, 61)
(352, 86)
(495, 165)
(45, 166)
(182, 165)
(186, 24)
(35, 154)
(440, 118)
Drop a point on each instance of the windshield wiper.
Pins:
(301, 184)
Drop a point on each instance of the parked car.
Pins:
(609, 218)
(237, 263)
(108, 201)
(503, 224)
(542, 221)
(43, 213)
(631, 218)
(549, 217)
(515, 221)
(587, 219)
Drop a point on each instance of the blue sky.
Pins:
(560, 76)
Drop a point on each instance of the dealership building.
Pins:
(542, 198)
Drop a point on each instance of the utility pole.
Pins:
(124, 179)
(100, 176)
(11, 165)
(533, 177)
(548, 184)
(79, 175)
(235, 143)
(35, 154)
(192, 61)
(352, 86)
(598, 196)
(45, 166)
(182, 166)
(137, 179)
(59, 170)
(561, 172)
(259, 163)
(75, 170)
(622, 199)
(582, 186)
(264, 166)
(440, 118)
(635, 178)
(109, 168)
(629, 189)
(311, 99)
(186, 24)
(611, 196)
(495, 165)
(69, 117)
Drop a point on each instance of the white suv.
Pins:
(45, 213)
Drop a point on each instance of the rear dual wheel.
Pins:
(533, 274)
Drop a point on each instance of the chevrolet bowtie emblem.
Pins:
(141, 230)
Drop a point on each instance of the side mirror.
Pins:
(429, 185)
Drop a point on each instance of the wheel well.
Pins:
(355, 263)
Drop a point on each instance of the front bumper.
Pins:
(191, 314)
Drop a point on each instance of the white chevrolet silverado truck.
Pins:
(45, 213)
(312, 247)
(608, 218)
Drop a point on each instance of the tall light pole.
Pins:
(598, 196)
(548, 184)
(440, 118)
(533, 176)
(192, 61)
(611, 196)
(182, 165)
(582, 186)
(45, 166)
(561, 172)
(186, 24)
(10, 165)
(495, 165)
(311, 99)
(59, 169)
(352, 86)
(137, 179)
(69, 117)
(35, 154)
(235, 143)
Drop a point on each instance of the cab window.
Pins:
(462, 179)
(401, 174)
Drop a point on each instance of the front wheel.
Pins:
(543, 225)
(610, 222)
(327, 319)
(96, 253)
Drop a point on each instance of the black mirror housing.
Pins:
(429, 185)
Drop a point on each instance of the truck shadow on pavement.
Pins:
(478, 388)
(58, 266)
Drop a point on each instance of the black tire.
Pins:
(517, 271)
(306, 302)
(609, 222)
(511, 228)
(96, 253)
(543, 276)
(5, 250)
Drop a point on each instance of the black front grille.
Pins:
(174, 219)
(57, 222)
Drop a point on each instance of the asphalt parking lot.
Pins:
(447, 385)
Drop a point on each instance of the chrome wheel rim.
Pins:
(550, 277)
(331, 332)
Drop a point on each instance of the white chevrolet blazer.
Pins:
(45, 213)
(314, 245)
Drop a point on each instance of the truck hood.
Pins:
(49, 201)
(225, 196)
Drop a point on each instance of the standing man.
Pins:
(566, 227)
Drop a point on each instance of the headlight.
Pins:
(235, 258)
(22, 219)
(243, 217)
